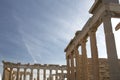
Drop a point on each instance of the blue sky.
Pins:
(38, 31)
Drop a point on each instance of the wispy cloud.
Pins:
(43, 28)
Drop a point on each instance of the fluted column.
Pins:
(78, 64)
(111, 48)
(50, 74)
(31, 76)
(38, 74)
(20, 76)
(18, 69)
(44, 76)
(94, 54)
(52, 78)
(68, 68)
(24, 73)
(72, 67)
(62, 76)
(56, 77)
(13, 76)
(3, 77)
(84, 60)
(10, 75)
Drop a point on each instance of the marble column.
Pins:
(24, 73)
(68, 68)
(56, 76)
(10, 75)
(20, 76)
(50, 74)
(94, 54)
(13, 76)
(38, 74)
(111, 48)
(44, 75)
(3, 77)
(78, 63)
(81, 67)
(62, 76)
(18, 69)
(72, 67)
(52, 78)
(84, 60)
(31, 75)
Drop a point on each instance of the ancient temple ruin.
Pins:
(18, 71)
(78, 65)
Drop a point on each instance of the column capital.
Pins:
(25, 69)
(71, 55)
(18, 68)
(92, 30)
(107, 13)
(67, 57)
(75, 49)
(11, 68)
(76, 52)
(31, 69)
(84, 40)
(38, 69)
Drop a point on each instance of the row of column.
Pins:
(77, 64)
(18, 76)
(81, 69)
(57, 76)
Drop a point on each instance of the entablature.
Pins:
(93, 22)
